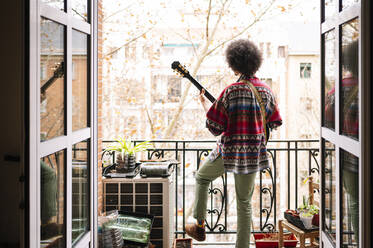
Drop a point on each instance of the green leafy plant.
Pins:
(306, 214)
(127, 147)
(308, 208)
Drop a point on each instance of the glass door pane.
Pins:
(348, 3)
(350, 79)
(79, 80)
(350, 200)
(80, 189)
(52, 200)
(329, 8)
(80, 9)
(52, 79)
(58, 4)
(330, 190)
(329, 79)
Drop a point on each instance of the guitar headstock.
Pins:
(179, 69)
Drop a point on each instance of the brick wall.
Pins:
(99, 105)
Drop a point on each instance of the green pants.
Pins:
(244, 185)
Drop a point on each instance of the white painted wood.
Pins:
(39, 149)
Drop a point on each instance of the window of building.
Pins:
(305, 70)
(281, 52)
(269, 51)
(261, 47)
(173, 89)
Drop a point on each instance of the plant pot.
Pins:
(307, 221)
(126, 164)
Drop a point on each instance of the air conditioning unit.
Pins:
(145, 195)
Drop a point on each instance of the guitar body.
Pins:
(183, 72)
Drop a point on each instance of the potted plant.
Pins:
(309, 213)
(126, 153)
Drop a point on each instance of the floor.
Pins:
(215, 245)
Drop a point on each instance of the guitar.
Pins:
(183, 72)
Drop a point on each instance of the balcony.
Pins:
(278, 188)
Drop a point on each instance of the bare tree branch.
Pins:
(82, 16)
(221, 12)
(118, 11)
(189, 39)
(197, 65)
(150, 121)
(243, 30)
(115, 50)
(207, 21)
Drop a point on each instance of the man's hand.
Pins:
(201, 96)
(202, 99)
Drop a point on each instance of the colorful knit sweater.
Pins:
(236, 115)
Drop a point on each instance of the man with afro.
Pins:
(237, 117)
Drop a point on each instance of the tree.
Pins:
(206, 26)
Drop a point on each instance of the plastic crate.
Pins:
(127, 231)
(262, 241)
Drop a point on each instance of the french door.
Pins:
(345, 123)
(62, 149)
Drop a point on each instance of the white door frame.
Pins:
(38, 149)
(359, 148)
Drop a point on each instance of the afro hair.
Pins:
(243, 56)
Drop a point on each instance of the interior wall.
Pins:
(11, 123)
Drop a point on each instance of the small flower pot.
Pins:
(307, 221)
(126, 163)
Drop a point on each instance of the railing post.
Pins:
(183, 189)
(288, 150)
(176, 186)
(296, 174)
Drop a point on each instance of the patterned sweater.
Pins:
(236, 116)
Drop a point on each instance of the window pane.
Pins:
(305, 70)
(330, 7)
(59, 4)
(52, 200)
(350, 79)
(52, 80)
(330, 190)
(174, 89)
(79, 80)
(329, 79)
(80, 189)
(80, 9)
(350, 200)
(348, 3)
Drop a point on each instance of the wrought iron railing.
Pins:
(278, 187)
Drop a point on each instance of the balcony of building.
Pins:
(280, 187)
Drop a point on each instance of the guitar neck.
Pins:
(200, 87)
